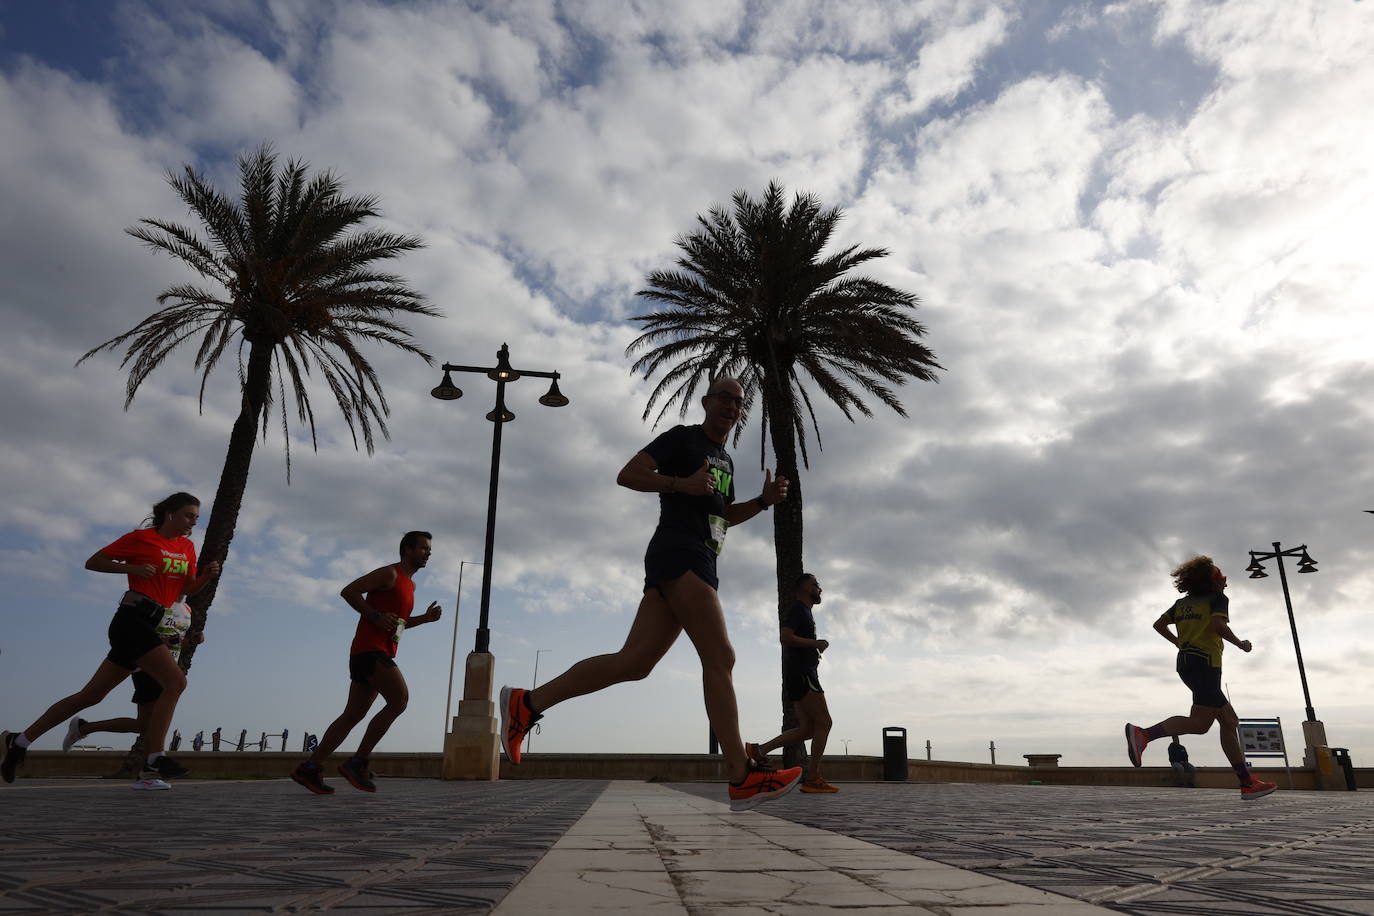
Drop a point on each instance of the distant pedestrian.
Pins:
(384, 600)
(1185, 774)
(160, 562)
(802, 685)
(694, 476)
(1202, 619)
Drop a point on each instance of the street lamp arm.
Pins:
(449, 367)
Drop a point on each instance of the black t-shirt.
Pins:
(800, 620)
(683, 520)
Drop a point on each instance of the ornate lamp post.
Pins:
(1314, 732)
(473, 749)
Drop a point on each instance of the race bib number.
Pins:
(718, 528)
(173, 626)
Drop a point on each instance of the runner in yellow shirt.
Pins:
(1202, 621)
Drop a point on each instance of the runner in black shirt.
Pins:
(803, 685)
(690, 469)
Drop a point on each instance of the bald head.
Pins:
(725, 383)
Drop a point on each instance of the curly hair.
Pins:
(1195, 576)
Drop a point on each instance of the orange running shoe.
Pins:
(762, 784)
(516, 721)
(1136, 739)
(818, 785)
(751, 750)
(1256, 788)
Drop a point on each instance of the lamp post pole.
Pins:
(1314, 732)
(483, 643)
(453, 649)
(473, 750)
(529, 739)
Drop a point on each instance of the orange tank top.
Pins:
(398, 600)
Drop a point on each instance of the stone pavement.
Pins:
(417, 846)
(1144, 851)
(644, 848)
(424, 846)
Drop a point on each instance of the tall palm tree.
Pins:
(754, 297)
(291, 289)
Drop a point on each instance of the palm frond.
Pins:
(754, 294)
(299, 274)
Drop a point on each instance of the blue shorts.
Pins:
(1203, 679)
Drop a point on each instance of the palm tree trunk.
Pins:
(233, 480)
(224, 514)
(787, 537)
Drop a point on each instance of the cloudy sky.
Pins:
(1139, 232)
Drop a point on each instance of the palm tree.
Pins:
(753, 297)
(291, 290)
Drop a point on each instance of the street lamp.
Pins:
(453, 650)
(1313, 731)
(534, 682)
(472, 750)
(502, 374)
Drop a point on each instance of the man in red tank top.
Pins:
(384, 599)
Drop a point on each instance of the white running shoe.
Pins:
(73, 732)
(150, 783)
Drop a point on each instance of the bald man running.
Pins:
(694, 476)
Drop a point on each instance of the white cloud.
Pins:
(947, 64)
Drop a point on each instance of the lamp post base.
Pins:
(1313, 735)
(473, 749)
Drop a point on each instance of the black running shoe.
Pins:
(11, 756)
(165, 767)
(355, 770)
(311, 775)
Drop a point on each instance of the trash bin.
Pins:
(1342, 755)
(894, 754)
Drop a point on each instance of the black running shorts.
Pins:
(1202, 679)
(146, 688)
(362, 666)
(665, 565)
(800, 682)
(132, 636)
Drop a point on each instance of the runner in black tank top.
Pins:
(693, 474)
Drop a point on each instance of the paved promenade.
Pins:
(1143, 851)
(423, 846)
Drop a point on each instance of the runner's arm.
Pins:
(791, 640)
(1162, 628)
(377, 580)
(641, 473)
(103, 564)
(208, 572)
(1222, 627)
(431, 614)
(774, 492)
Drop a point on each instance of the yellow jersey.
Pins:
(1192, 615)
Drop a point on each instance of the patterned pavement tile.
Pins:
(417, 846)
(1148, 852)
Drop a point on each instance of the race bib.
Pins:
(718, 528)
(173, 626)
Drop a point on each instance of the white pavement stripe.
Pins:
(644, 848)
